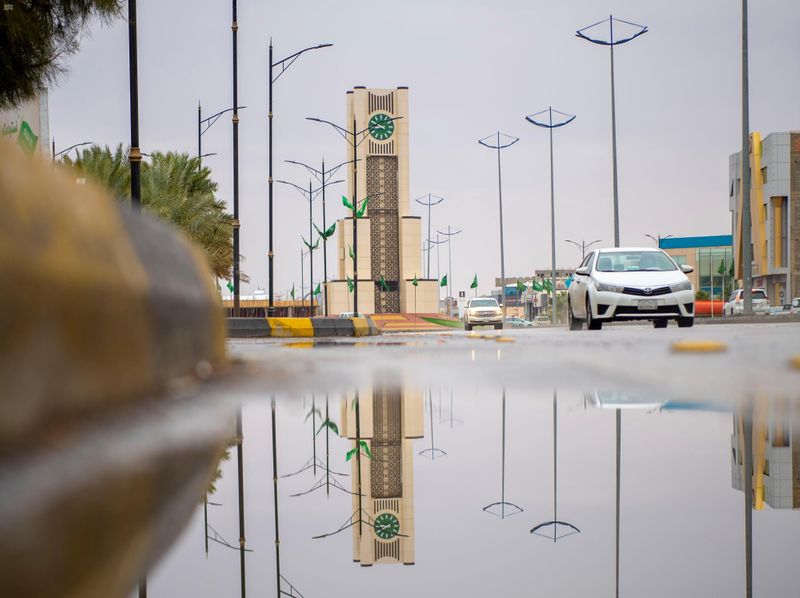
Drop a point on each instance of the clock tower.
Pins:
(389, 236)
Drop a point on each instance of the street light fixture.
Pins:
(310, 194)
(203, 125)
(583, 246)
(611, 42)
(433, 200)
(323, 178)
(449, 234)
(550, 125)
(354, 138)
(283, 64)
(658, 239)
(493, 141)
(67, 150)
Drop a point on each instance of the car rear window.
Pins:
(759, 294)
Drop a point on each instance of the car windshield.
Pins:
(483, 303)
(634, 261)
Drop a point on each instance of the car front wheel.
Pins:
(591, 322)
(574, 323)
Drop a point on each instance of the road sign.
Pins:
(462, 294)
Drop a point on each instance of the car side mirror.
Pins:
(584, 271)
(686, 269)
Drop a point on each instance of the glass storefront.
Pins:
(714, 271)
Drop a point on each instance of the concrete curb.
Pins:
(319, 327)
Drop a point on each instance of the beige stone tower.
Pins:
(389, 236)
(389, 419)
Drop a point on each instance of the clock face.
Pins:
(386, 526)
(381, 127)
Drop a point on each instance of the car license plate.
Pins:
(648, 304)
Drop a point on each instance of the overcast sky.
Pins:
(472, 68)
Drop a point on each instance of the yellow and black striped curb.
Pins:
(99, 305)
(300, 327)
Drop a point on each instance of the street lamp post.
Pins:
(67, 150)
(449, 234)
(747, 255)
(203, 125)
(583, 246)
(283, 64)
(507, 141)
(432, 201)
(550, 125)
(235, 125)
(134, 154)
(611, 43)
(658, 239)
(354, 138)
(324, 179)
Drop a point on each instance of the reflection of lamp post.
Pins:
(240, 478)
(494, 142)
(619, 473)
(433, 452)
(323, 178)
(611, 43)
(746, 426)
(583, 246)
(555, 522)
(283, 64)
(503, 504)
(432, 201)
(549, 125)
(354, 138)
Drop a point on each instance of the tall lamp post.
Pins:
(611, 42)
(310, 194)
(235, 125)
(564, 119)
(323, 178)
(134, 154)
(432, 200)
(583, 246)
(354, 138)
(282, 65)
(494, 142)
(203, 125)
(449, 234)
(747, 232)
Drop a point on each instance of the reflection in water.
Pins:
(240, 480)
(382, 423)
(540, 530)
(433, 453)
(502, 504)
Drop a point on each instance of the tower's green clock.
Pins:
(386, 526)
(381, 126)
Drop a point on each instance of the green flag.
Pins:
(292, 293)
(474, 284)
(415, 282)
(350, 284)
(317, 291)
(521, 286)
(230, 286)
(444, 281)
(722, 269)
(547, 285)
(362, 209)
(384, 284)
(537, 286)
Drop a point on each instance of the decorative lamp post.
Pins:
(583, 246)
(432, 201)
(550, 125)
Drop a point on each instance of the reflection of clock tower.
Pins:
(390, 418)
(389, 236)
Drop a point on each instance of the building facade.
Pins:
(712, 260)
(389, 418)
(775, 213)
(389, 237)
(775, 453)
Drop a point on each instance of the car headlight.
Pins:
(608, 288)
(681, 286)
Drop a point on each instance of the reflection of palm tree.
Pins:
(502, 503)
(571, 529)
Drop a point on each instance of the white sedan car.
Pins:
(630, 284)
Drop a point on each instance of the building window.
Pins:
(764, 176)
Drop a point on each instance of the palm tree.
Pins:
(175, 188)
